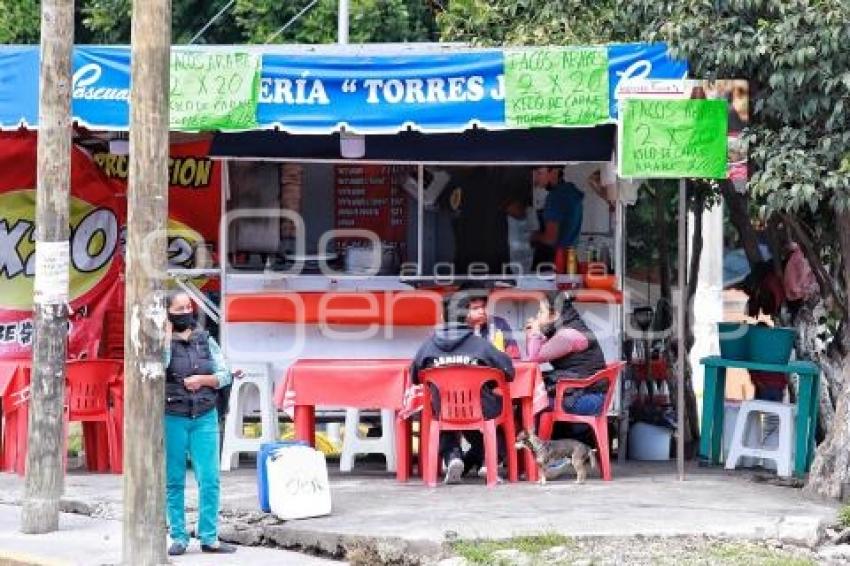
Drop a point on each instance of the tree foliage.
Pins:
(248, 21)
(19, 21)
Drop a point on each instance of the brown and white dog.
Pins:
(547, 453)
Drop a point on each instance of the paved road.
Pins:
(93, 542)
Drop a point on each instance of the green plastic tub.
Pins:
(733, 340)
(770, 345)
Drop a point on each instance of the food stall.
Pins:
(360, 184)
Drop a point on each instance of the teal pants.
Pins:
(197, 438)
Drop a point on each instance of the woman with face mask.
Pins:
(195, 369)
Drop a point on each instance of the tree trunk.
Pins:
(662, 199)
(147, 213)
(830, 473)
(691, 409)
(45, 462)
(739, 215)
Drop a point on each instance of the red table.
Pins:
(381, 384)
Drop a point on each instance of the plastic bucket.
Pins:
(733, 337)
(649, 442)
(770, 345)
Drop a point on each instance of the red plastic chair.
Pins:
(459, 388)
(15, 405)
(116, 420)
(112, 346)
(87, 401)
(599, 423)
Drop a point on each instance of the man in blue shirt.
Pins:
(562, 214)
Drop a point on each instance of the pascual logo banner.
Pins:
(94, 241)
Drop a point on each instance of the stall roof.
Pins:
(321, 89)
(542, 145)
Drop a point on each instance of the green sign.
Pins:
(549, 86)
(673, 138)
(213, 90)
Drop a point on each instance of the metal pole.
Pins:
(420, 218)
(44, 466)
(683, 297)
(147, 213)
(343, 22)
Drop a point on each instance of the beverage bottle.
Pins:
(499, 340)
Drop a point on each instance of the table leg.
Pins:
(805, 422)
(527, 410)
(404, 450)
(708, 404)
(305, 428)
(813, 419)
(717, 419)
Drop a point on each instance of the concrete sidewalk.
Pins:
(92, 542)
(643, 499)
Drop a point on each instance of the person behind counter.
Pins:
(195, 370)
(559, 336)
(562, 215)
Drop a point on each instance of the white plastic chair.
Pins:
(354, 444)
(782, 454)
(234, 442)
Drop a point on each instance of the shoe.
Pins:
(218, 548)
(454, 471)
(500, 472)
(177, 549)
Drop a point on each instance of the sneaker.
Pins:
(454, 471)
(219, 548)
(177, 549)
(500, 472)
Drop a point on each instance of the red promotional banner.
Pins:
(96, 214)
(194, 197)
(98, 220)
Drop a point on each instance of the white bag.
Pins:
(298, 483)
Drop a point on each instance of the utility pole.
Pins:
(45, 462)
(342, 22)
(147, 213)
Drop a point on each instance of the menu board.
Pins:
(556, 86)
(674, 138)
(367, 197)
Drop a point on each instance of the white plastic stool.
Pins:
(783, 454)
(354, 444)
(234, 442)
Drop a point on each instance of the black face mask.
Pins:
(182, 321)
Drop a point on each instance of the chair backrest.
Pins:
(459, 389)
(611, 373)
(88, 384)
(113, 334)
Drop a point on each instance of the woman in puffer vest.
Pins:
(195, 369)
(559, 336)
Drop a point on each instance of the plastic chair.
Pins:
(15, 405)
(87, 401)
(234, 441)
(783, 454)
(112, 346)
(459, 389)
(599, 423)
(354, 444)
(116, 419)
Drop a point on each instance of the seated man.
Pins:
(495, 330)
(559, 336)
(454, 343)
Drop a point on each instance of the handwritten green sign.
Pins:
(556, 86)
(213, 90)
(673, 138)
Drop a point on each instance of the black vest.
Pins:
(189, 357)
(580, 364)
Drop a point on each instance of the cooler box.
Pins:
(262, 479)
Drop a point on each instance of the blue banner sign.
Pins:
(436, 91)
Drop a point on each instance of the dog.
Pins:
(564, 453)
